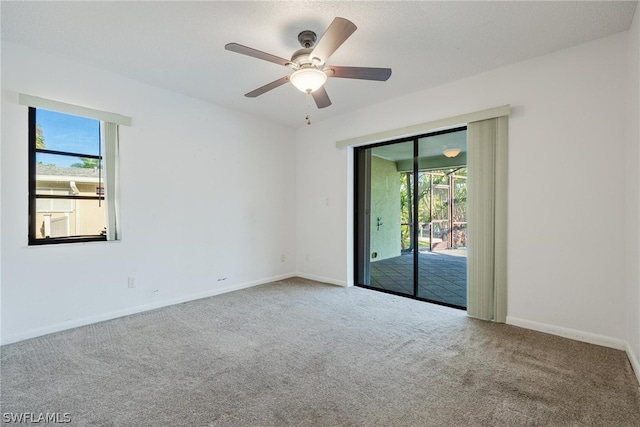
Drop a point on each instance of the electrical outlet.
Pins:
(131, 282)
(282, 258)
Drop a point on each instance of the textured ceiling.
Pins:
(180, 45)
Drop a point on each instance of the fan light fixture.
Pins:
(451, 152)
(308, 79)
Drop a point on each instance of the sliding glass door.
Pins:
(385, 223)
(410, 217)
(442, 267)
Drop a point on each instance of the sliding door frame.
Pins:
(362, 206)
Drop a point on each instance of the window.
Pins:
(73, 175)
(66, 180)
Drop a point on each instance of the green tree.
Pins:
(405, 212)
(439, 179)
(87, 163)
(39, 138)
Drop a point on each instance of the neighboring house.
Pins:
(72, 216)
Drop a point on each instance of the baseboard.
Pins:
(581, 336)
(633, 359)
(323, 279)
(62, 326)
(569, 333)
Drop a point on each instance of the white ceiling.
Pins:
(179, 45)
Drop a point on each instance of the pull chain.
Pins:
(308, 108)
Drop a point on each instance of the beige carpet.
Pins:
(300, 353)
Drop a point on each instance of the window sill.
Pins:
(66, 240)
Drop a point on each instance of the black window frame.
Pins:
(33, 196)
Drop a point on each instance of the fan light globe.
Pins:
(451, 152)
(308, 79)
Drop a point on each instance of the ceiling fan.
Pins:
(309, 63)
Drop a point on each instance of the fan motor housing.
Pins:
(301, 57)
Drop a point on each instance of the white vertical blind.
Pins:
(500, 219)
(487, 219)
(110, 156)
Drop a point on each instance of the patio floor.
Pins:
(442, 275)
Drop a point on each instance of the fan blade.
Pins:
(339, 30)
(321, 97)
(267, 87)
(364, 73)
(238, 48)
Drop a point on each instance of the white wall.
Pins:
(567, 132)
(205, 195)
(633, 196)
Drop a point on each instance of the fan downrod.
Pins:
(307, 39)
